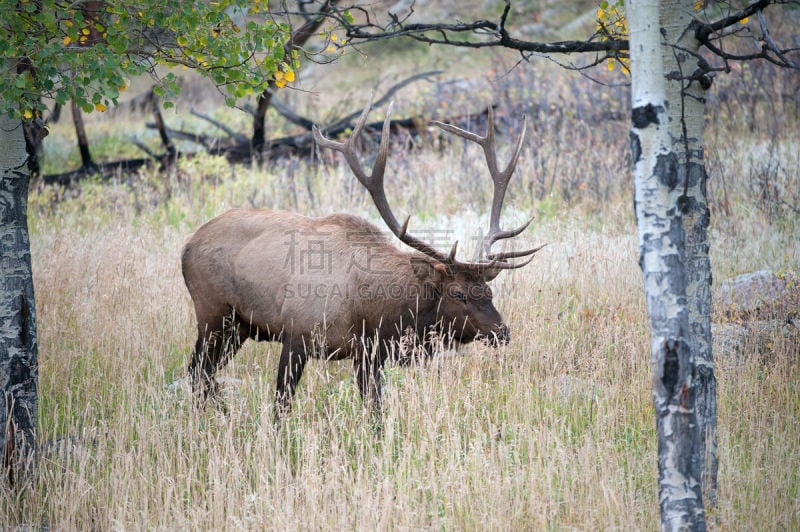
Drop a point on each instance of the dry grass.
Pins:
(553, 431)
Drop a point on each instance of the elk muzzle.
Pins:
(501, 336)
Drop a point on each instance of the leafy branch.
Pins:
(86, 51)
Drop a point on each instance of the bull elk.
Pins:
(336, 287)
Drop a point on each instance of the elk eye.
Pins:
(460, 296)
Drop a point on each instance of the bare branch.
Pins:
(142, 146)
(216, 123)
(771, 42)
(477, 34)
(343, 123)
(290, 115)
(706, 32)
(487, 34)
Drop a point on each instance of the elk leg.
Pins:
(201, 368)
(369, 376)
(290, 369)
(215, 346)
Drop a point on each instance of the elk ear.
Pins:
(427, 270)
(489, 274)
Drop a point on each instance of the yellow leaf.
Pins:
(27, 114)
(289, 75)
(67, 40)
(698, 5)
(611, 64)
(278, 75)
(281, 83)
(100, 107)
(68, 23)
(85, 31)
(744, 20)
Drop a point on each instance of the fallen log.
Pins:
(104, 171)
(300, 145)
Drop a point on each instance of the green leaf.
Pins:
(94, 74)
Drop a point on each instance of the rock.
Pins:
(761, 295)
(755, 339)
(729, 340)
(179, 386)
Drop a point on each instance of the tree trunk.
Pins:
(259, 134)
(18, 347)
(296, 40)
(660, 200)
(87, 163)
(686, 123)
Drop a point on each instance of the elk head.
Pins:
(464, 299)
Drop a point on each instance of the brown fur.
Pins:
(332, 287)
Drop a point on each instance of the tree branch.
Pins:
(769, 50)
(487, 34)
(219, 125)
(345, 122)
(772, 45)
(492, 34)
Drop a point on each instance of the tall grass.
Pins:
(553, 431)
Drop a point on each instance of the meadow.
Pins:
(553, 431)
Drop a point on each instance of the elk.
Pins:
(336, 287)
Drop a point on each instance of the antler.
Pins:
(374, 183)
(500, 179)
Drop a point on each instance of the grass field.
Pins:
(553, 431)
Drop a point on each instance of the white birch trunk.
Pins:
(686, 122)
(662, 244)
(18, 346)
